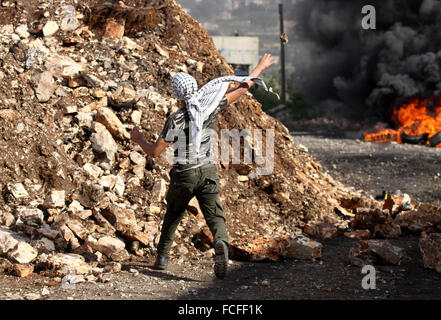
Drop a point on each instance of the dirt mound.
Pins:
(74, 80)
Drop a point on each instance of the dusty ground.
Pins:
(329, 278)
(374, 168)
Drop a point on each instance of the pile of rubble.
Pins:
(78, 197)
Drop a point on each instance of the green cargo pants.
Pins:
(202, 183)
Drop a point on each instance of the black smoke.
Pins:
(345, 70)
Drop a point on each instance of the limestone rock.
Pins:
(23, 253)
(135, 235)
(48, 232)
(112, 247)
(113, 267)
(138, 158)
(17, 190)
(304, 248)
(8, 240)
(121, 218)
(23, 270)
(154, 209)
(93, 170)
(162, 51)
(124, 95)
(81, 228)
(45, 86)
(63, 67)
(112, 123)
(50, 28)
(136, 117)
(55, 199)
(103, 142)
(69, 21)
(64, 264)
(69, 237)
(30, 215)
(22, 31)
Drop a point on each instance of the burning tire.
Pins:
(435, 140)
(405, 138)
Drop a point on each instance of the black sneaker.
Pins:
(161, 263)
(221, 259)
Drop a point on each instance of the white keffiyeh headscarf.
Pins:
(201, 103)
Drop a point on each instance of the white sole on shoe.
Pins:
(221, 259)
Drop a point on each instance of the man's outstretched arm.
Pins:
(152, 149)
(264, 63)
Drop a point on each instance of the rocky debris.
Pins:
(430, 246)
(258, 248)
(61, 265)
(358, 234)
(112, 247)
(373, 252)
(378, 222)
(303, 248)
(113, 267)
(321, 230)
(424, 218)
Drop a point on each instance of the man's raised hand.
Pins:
(266, 61)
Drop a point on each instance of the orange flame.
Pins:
(415, 118)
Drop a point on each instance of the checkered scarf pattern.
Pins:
(201, 103)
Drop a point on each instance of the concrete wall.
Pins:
(239, 50)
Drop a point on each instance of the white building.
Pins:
(241, 52)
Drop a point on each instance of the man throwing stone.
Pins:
(194, 173)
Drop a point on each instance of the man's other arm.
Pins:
(154, 150)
